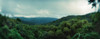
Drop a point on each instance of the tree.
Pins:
(96, 17)
(51, 33)
(66, 29)
(18, 19)
(60, 35)
(94, 3)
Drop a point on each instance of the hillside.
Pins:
(36, 20)
(87, 16)
(77, 27)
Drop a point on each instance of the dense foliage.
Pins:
(74, 28)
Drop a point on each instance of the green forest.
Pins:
(70, 27)
(75, 28)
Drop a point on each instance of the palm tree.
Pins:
(94, 3)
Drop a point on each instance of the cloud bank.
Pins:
(45, 8)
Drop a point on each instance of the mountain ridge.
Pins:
(86, 16)
(36, 20)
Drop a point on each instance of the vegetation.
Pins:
(95, 3)
(73, 28)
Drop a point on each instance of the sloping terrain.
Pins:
(87, 16)
(77, 27)
(36, 20)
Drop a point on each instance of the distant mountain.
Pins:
(53, 21)
(57, 22)
(36, 20)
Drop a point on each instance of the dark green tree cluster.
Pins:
(96, 21)
(5, 31)
(71, 29)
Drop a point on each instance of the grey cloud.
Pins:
(44, 8)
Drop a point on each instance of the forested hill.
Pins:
(77, 27)
(87, 16)
(36, 20)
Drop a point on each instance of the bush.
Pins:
(51, 33)
(66, 29)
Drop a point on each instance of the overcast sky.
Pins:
(45, 8)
